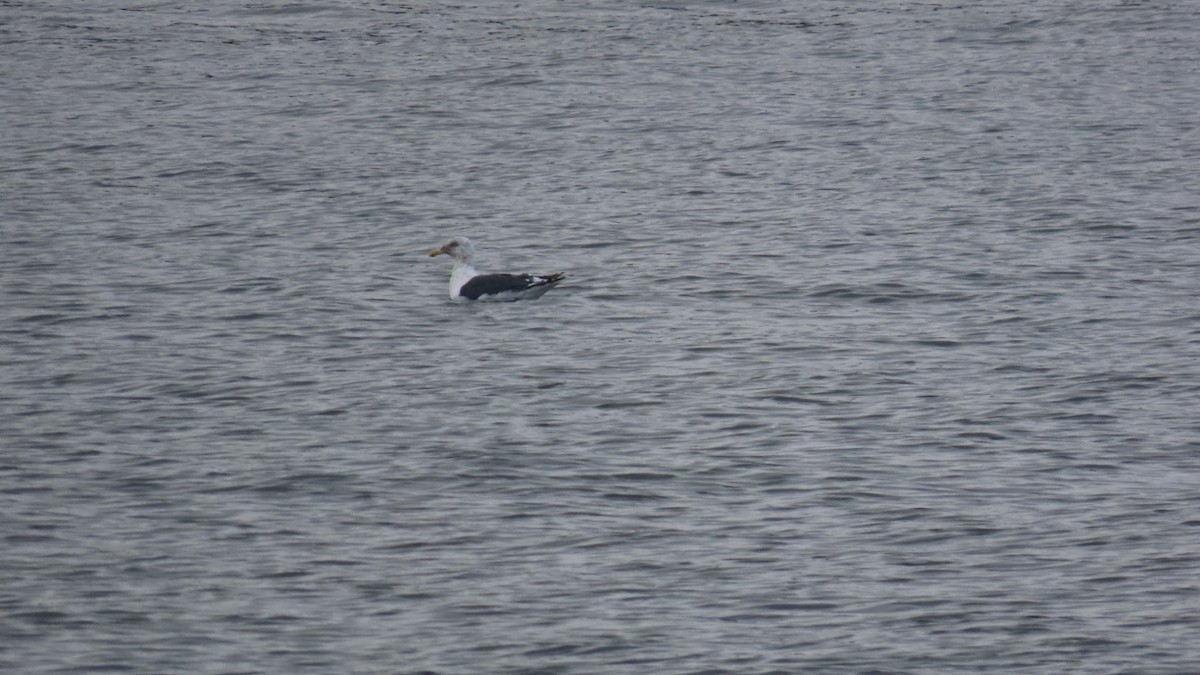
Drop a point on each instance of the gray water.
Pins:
(880, 350)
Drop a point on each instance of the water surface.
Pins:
(879, 351)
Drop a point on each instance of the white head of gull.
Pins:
(468, 284)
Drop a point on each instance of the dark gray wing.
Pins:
(493, 284)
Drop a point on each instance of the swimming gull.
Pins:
(468, 284)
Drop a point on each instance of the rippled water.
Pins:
(879, 353)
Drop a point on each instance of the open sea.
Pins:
(879, 353)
